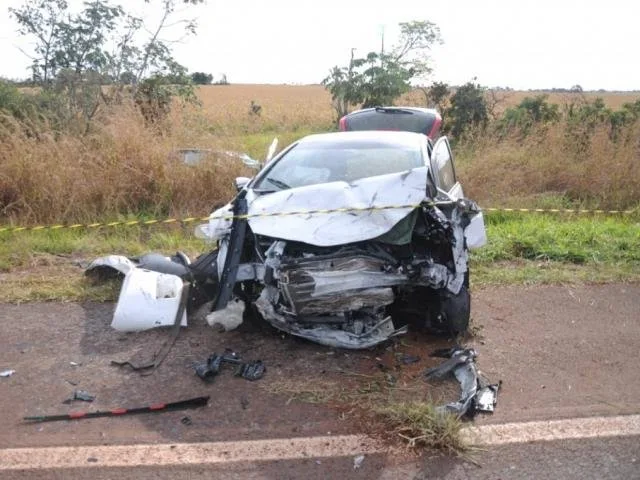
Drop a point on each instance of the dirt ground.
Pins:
(561, 351)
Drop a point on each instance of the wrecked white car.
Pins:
(343, 239)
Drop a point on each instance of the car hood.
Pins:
(344, 224)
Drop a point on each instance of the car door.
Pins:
(444, 170)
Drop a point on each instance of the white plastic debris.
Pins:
(357, 462)
(147, 300)
(7, 373)
(228, 318)
(116, 262)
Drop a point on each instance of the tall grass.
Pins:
(126, 168)
(553, 167)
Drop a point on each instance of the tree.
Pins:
(468, 109)
(75, 54)
(380, 77)
(201, 78)
(436, 95)
(531, 111)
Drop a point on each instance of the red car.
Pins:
(407, 119)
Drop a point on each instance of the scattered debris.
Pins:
(476, 395)
(75, 364)
(244, 402)
(186, 420)
(7, 373)
(72, 382)
(357, 461)
(116, 412)
(207, 371)
(80, 395)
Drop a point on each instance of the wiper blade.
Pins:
(278, 183)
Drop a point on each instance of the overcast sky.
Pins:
(537, 44)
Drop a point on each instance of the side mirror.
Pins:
(272, 150)
(241, 182)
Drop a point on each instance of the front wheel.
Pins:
(453, 313)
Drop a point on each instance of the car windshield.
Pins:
(310, 163)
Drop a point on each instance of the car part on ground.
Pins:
(209, 369)
(476, 395)
(81, 395)
(116, 412)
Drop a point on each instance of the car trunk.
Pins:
(417, 120)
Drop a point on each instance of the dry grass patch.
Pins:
(420, 424)
(398, 405)
(55, 284)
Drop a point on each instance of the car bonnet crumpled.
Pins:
(352, 209)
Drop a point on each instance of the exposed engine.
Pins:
(363, 292)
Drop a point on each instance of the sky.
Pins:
(502, 43)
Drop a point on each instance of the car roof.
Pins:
(406, 139)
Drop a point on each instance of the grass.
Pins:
(47, 265)
(397, 406)
(523, 249)
(420, 424)
(124, 167)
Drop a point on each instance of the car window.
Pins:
(391, 120)
(312, 163)
(442, 162)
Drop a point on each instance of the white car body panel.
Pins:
(148, 300)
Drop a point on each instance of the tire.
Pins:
(455, 312)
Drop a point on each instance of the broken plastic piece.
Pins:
(487, 397)
(158, 407)
(357, 461)
(474, 397)
(7, 373)
(80, 395)
(147, 300)
(252, 370)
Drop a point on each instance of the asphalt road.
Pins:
(562, 352)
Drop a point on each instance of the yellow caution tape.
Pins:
(297, 212)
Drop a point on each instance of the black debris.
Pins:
(116, 412)
(207, 371)
(186, 420)
(252, 370)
